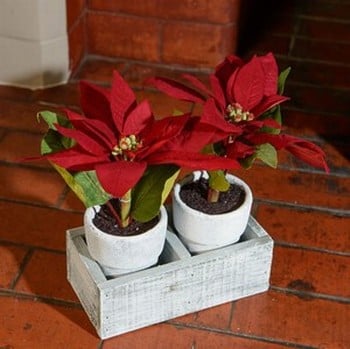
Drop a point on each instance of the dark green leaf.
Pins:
(282, 80)
(151, 191)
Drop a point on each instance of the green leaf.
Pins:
(282, 80)
(268, 154)
(218, 181)
(52, 118)
(85, 185)
(151, 191)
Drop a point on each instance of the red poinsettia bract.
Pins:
(119, 138)
(238, 104)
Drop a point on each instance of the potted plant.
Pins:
(122, 163)
(242, 105)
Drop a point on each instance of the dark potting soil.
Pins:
(105, 221)
(194, 194)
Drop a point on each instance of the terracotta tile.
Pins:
(222, 11)
(31, 324)
(311, 322)
(298, 188)
(16, 146)
(120, 36)
(172, 337)
(30, 185)
(16, 93)
(71, 202)
(187, 43)
(215, 317)
(100, 70)
(50, 281)
(136, 74)
(36, 226)
(66, 95)
(161, 104)
(305, 227)
(11, 259)
(310, 271)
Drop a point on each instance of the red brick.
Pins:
(219, 11)
(201, 45)
(332, 9)
(71, 202)
(317, 73)
(310, 271)
(337, 52)
(100, 70)
(77, 44)
(278, 44)
(11, 259)
(311, 322)
(324, 29)
(305, 228)
(318, 99)
(36, 226)
(74, 9)
(171, 337)
(51, 282)
(30, 185)
(31, 324)
(120, 36)
(308, 123)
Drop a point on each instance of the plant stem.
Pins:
(213, 195)
(114, 213)
(125, 207)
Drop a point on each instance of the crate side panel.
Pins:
(79, 276)
(189, 286)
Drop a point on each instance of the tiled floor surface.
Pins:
(306, 211)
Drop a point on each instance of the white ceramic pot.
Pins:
(202, 232)
(119, 255)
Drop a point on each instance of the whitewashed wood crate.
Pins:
(179, 285)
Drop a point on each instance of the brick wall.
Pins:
(187, 33)
(76, 10)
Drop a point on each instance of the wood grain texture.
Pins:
(180, 284)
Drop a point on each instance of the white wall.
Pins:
(33, 43)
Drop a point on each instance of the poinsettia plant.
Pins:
(242, 106)
(117, 149)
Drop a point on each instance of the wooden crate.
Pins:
(178, 285)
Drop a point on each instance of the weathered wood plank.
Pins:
(180, 285)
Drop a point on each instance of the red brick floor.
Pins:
(305, 211)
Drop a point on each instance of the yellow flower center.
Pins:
(126, 147)
(235, 113)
